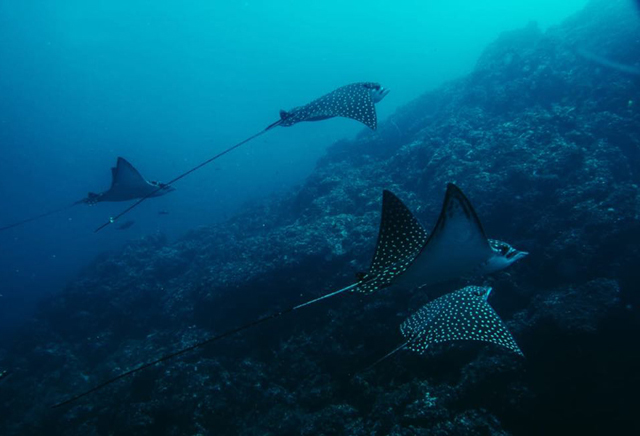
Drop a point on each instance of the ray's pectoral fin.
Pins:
(463, 315)
(400, 238)
(458, 222)
(128, 184)
(456, 246)
(124, 175)
(355, 101)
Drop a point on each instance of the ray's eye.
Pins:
(504, 250)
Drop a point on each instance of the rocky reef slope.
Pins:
(545, 140)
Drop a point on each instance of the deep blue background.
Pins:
(168, 84)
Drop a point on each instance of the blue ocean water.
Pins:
(523, 117)
(166, 85)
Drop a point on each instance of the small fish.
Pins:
(163, 212)
(125, 225)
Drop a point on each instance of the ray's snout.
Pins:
(378, 94)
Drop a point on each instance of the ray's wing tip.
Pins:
(518, 354)
(387, 194)
(453, 193)
(453, 189)
(389, 199)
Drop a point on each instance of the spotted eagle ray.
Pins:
(356, 101)
(406, 255)
(463, 315)
(403, 245)
(126, 184)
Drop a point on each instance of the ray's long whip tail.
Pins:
(42, 215)
(197, 167)
(200, 344)
(386, 356)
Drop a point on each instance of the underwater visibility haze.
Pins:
(166, 86)
(329, 266)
